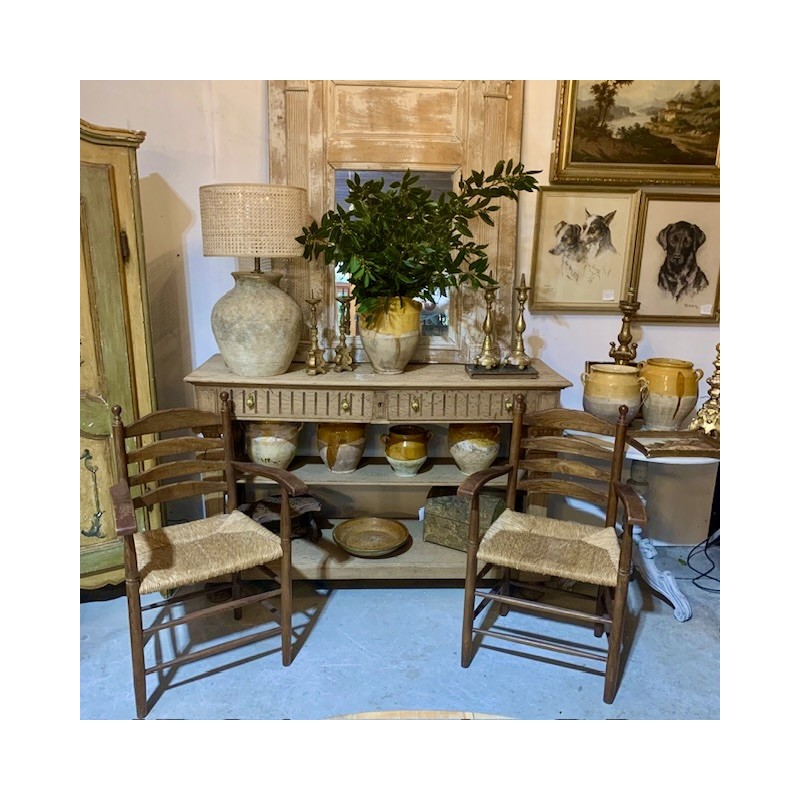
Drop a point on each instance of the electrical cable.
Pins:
(695, 551)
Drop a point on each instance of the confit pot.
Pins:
(406, 448)
(272, 444)
(608, 386)
(341, 444)
(473, 445)
(672, 392)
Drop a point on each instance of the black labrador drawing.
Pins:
(680, 274)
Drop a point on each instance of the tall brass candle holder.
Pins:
(488, 358)
(518, 357)
(344, 359)
(625, 352)
(315, 360)
(707, 418)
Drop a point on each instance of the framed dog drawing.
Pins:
(637, 132)
(583, 248)
(676, 271)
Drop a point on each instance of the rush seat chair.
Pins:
(553, 567)
(176, 454)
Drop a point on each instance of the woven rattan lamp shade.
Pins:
(255, 220)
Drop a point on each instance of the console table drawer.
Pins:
(448, 405)
(290, 404)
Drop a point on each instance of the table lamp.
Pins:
(257, 326)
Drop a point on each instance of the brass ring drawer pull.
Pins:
(344, 405)
(415, 404)
(251, 400)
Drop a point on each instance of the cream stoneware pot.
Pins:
(473, 446)
(672, 392)
(608, 386)
(273, 444)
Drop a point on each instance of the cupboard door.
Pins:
(115, 360)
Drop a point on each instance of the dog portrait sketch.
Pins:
(583, 247)
(680, 275)
(569, 246)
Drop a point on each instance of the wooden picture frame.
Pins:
(573, 270)
(637, 132)
(676, 270)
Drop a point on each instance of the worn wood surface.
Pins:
(115, 355)
(317, 127)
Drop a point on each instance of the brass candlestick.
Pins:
(625, 352)
(488, 358)
(315, 361)
(708, 416)
(518, 357)
(344, 360)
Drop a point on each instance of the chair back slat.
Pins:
(564, 489)
(177, 445)
(178, 469)
(179, 491)
(568, 453)
(173, 420)
(577, 469)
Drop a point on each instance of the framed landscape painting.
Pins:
(637, 132)
(676, 273)
(583, 248)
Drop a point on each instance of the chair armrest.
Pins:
(286, 480)
(632, 502)
(122, 509)
(469, 486)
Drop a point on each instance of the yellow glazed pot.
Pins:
(391, 339)
(608, 386)
(341, 444)
(272, 444)
(672, 392)
(406, 448)
(473, 446)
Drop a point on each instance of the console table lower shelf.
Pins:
(415, 560)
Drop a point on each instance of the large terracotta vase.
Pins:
(257, 325)
(391, 338)
(672, 392)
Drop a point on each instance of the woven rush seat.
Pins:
(555, 547)
(553, 453)
(192, 552)
(169, 456)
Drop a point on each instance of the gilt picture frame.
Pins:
(637, 132)
(583, 248)
(676, 268)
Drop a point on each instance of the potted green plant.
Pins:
(399, 245)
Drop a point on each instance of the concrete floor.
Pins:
(384, 648)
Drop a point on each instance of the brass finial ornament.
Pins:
(315, 360)
(518, 357)
(707, 418)
(625, 352)
(344, 359)
(488, 358)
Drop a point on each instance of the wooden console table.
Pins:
(424, 393)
